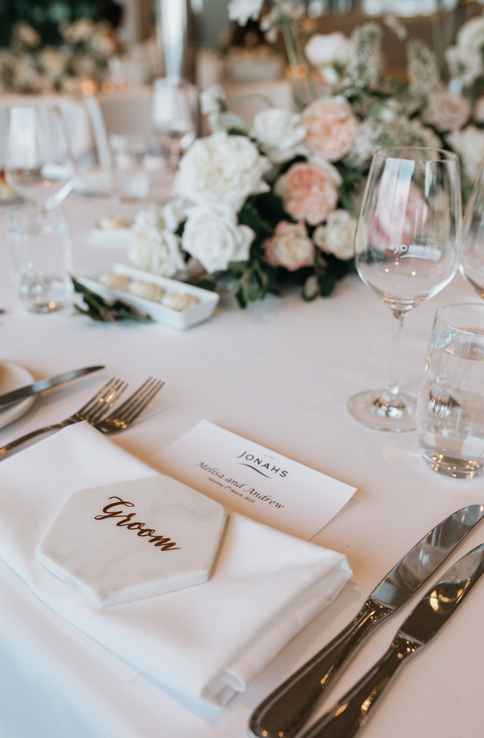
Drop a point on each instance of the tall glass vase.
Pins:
(304, 88)
(176, 30)
(176, 34)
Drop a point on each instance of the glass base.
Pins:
(451, 467)
(377, 410)
(43, 308)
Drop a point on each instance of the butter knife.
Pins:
(346, 718)
(285, 711)
(45, 384)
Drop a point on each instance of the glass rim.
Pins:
(444, 155)
(444, 310)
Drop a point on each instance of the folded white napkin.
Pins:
(203, 644)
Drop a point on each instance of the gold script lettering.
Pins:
(162, 542)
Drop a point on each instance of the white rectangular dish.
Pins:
(178, 319)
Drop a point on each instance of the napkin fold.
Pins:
(203, 644)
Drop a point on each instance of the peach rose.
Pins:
(330, 127)
(447, 111)
(290, 247)
(309, 192)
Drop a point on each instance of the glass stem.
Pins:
(393, 387)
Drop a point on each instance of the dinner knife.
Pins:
(346, 718)
(45, 384)
(285, 711)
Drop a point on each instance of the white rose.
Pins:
(242, 10)
(26, 77)
(79, 31)
(471, 35)
(103, 44)
(464, 64)
(213, 237)
(213, 100)
(155, 248)
(84, 65)
(329, 49)
(27, 35)
(336, 237)
(280, 133)
(222, 169)
(469, 144)
(53, 62)
(174, 212)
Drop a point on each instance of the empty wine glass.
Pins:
(174, 116)
(38, 161)
(406, 251)
(472, 263)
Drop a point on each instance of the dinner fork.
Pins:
(93, 411)
(124, 415)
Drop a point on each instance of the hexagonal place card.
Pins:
(132, 540)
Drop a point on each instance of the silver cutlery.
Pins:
(286, 710)
(45, 384)
(352, 711)
(123, 416)
(93, 411)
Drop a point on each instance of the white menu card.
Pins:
(254, 480)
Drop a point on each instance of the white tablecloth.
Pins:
(281, 374)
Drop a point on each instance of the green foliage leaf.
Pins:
(98, 309)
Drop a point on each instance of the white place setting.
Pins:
(216, 518)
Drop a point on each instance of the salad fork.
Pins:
(123, 416)
(93, 411)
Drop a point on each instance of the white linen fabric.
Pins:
(203, 644)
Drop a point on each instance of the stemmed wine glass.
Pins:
(406, 250)
(174, 116)
(39, 167)
(472, 264)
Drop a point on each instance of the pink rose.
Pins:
(290, 247)
(447, 111)
(309, 192)
(330, 127)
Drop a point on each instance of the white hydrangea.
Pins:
(222, 169)
(280, 134)
(155, 247)
(213, 236)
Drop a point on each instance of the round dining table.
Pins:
(279, 373)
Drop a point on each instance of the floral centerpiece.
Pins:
(28, 66)
(257, 209)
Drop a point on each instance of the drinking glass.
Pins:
(174, 116)
(472, 263)
(38, 161)
(406, 251)
(40, 250)
(450, 412)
